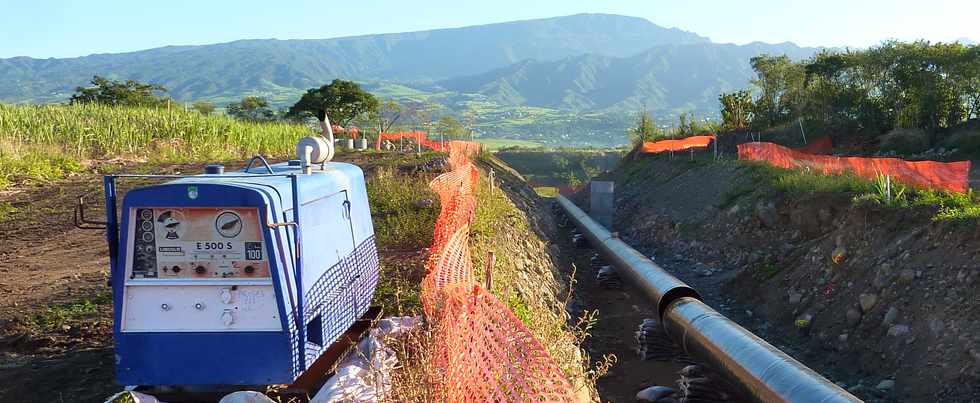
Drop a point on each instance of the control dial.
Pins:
(228, 224)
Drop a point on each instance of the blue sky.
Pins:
(68, 28)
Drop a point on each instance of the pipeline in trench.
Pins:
(755, 368)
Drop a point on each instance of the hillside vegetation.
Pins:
(49, 141)
(921, 94)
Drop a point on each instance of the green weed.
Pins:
(403, 208)
(54, 317)
(768, 270)
(7, 210)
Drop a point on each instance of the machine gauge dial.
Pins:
(228, 224)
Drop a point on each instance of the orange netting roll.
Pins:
(951, 176)
(654, 147)
(483, 353)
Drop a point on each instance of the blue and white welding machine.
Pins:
(239, 278)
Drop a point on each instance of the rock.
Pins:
(795, 297)
(906, 275)
(734, 210)
(868, 301)
(898, 330)
(655, 394)
(853, 316)
(890, 316)
(886, 385)
(766, 213)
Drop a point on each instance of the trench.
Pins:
(620, 309)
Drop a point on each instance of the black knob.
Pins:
(175, 269)
(200, 269)
(249, 270)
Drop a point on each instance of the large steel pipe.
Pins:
(660, 286)
(762, 371)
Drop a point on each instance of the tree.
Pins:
(387, 114)
(781, 84)
(127, 93)
(255, 109)
(736, 109)
(645, 130)
(450, 127)
(203, 107)
(343, 101)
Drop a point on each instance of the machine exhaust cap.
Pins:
(214, 169)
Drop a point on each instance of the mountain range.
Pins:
(595, 63)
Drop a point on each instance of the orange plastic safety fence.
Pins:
(352, 131)
(823, 145)
(952, 176)
(418, 136)
(677, 145)
(483, 352)
(490, 348)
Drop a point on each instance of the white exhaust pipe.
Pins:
(316, 149)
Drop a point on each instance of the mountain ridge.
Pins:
(237, 67)
(651, 77)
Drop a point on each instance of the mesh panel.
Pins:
(341, 295)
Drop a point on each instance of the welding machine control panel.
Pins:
(198, 269)
(198, 243)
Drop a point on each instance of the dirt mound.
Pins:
(882, 300)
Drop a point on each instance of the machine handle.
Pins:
(78, 216)
(264, 162)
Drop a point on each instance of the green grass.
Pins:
(6, 210)
(768, 271)
(42, 142)
(402, 226)
(54, 317)
(399, 219)
(496, 144)
(796, 181)
(35, 166)
(950, 206)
